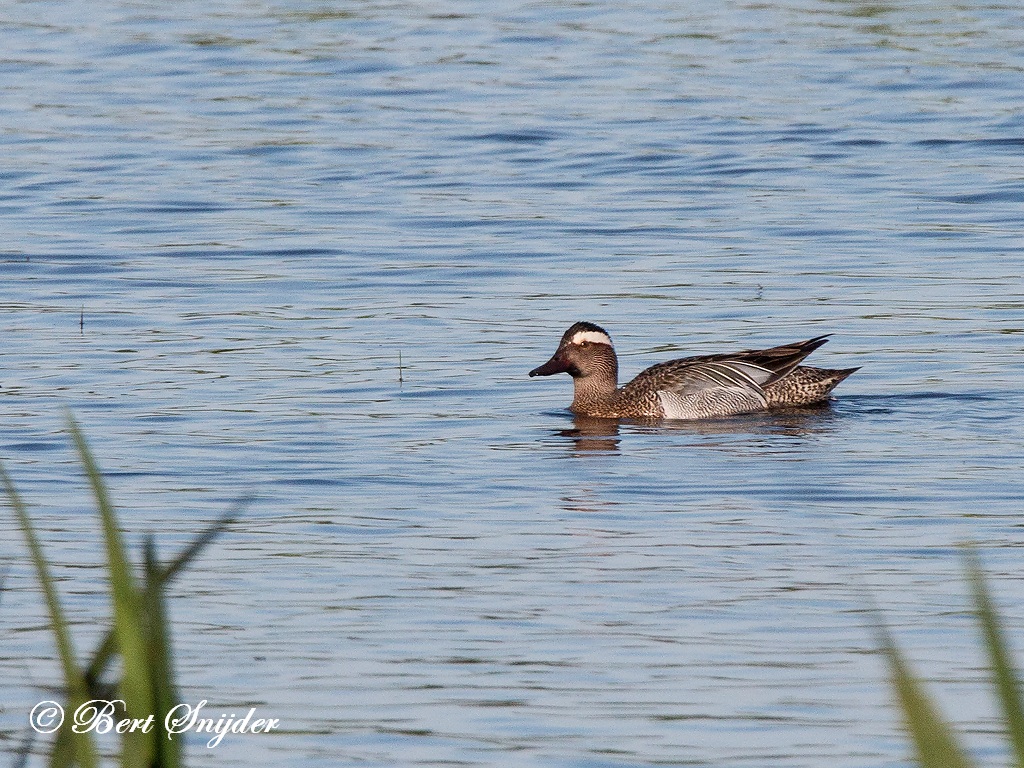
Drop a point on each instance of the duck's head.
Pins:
(585, 349)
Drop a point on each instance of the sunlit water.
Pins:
(309, 251)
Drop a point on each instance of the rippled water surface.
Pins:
(308, 251)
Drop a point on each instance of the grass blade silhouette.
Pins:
(79, 747)
(168, 750)
(105, 651)
(135, 687)
(935, 743)
(1004, 676)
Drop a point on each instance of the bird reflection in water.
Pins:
(590, 434)
(593, 434)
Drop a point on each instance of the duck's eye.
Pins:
(584, 343)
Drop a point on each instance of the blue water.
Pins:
(308, 252)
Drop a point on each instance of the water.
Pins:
(223, 225)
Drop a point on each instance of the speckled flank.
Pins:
(804, 386)
(699, 387)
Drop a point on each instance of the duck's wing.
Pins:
(713, 388)
(780, 360)
(723, 385)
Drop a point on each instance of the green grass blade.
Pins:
(80, 745)
(935, 743)
(168, 751)
(135, 686)
(65, 650)
(105, 651)
(1004, 677)
(201, 541)
(107, 647)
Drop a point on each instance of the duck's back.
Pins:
(706, 386)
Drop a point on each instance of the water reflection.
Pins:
(590, 434)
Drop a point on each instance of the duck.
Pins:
(699, 387)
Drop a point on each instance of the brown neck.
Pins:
(598, 384)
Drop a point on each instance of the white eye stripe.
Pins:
(594, 337)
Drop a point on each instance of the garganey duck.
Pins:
(699, 387)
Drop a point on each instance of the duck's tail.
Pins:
(805, 385)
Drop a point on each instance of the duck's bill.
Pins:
(552, 366)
